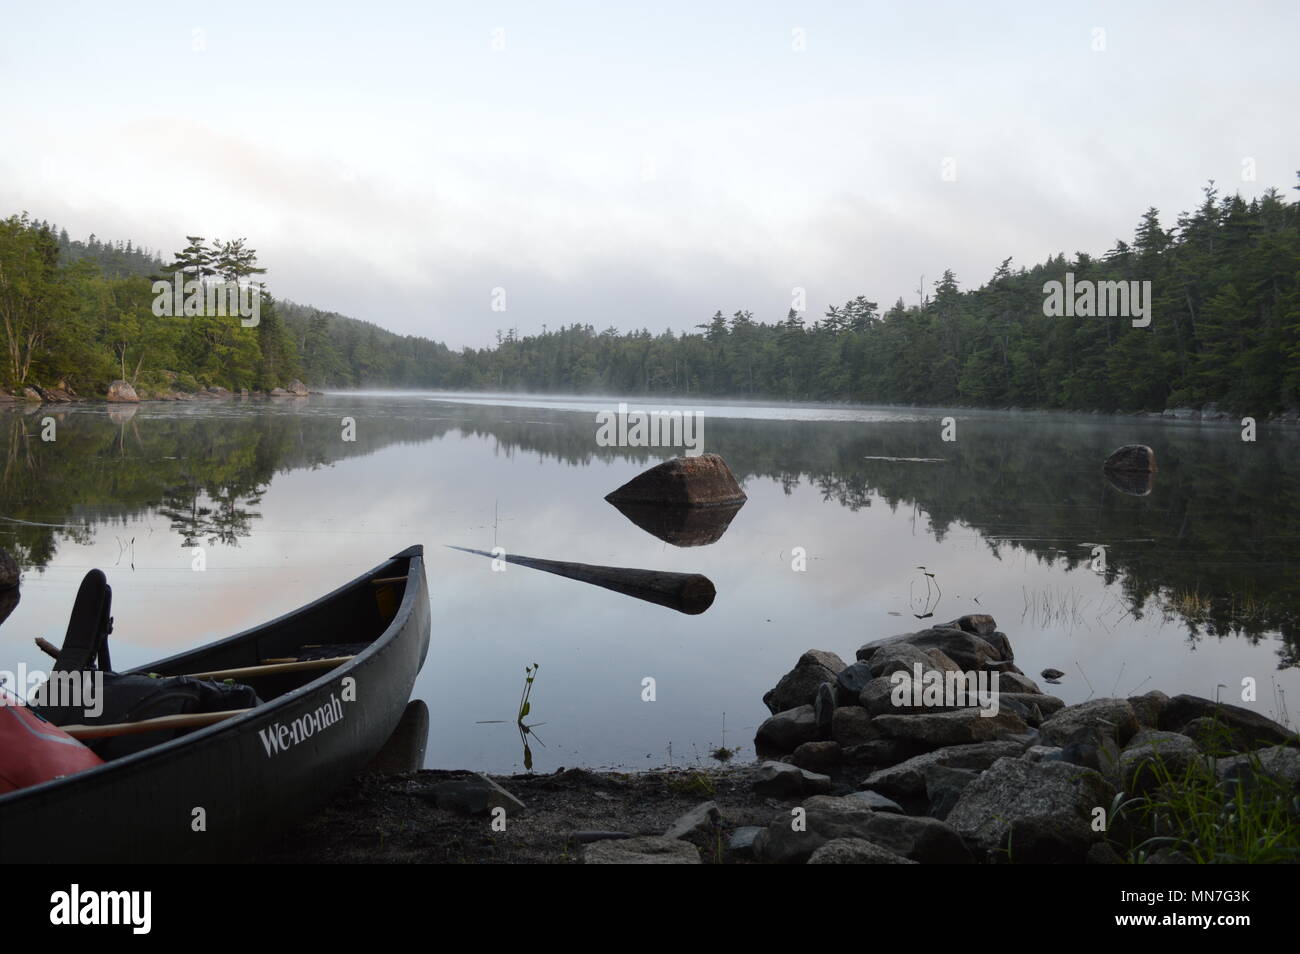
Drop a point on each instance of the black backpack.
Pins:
(128, 697)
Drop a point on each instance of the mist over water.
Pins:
(1199, 588)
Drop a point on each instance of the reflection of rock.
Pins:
(8, 600)
(1133, 483)
(1132, 458)
(120, 415)
(1131, 469)
(681, 526)
(704, 481)
(9, 575)
(121, 392)
(8, 571)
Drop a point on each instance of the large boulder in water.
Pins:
(121, 392)
(704, 481)
(297, 388)
(1131, 459)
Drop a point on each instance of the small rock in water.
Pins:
(1052, 675)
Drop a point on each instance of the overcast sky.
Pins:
(635, 165)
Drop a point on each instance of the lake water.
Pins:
(1198, 591)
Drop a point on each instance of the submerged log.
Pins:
(704, 481)
(682, 526)
(689, 593)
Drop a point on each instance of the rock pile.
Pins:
(872, 771)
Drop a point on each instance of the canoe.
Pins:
(254, 774)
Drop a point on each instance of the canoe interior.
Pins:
(351, 618)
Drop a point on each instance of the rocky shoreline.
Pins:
(847, 775)
(123, 392)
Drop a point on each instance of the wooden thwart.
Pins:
(192, 720)
(273, 669)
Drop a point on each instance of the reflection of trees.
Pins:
(224, 519)
(1215, 544)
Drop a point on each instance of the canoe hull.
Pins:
(219, 792)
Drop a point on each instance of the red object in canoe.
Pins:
(33, 750)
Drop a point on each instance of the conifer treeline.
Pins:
(1225, 328)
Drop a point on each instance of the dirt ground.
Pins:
(394, 819)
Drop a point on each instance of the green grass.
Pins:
(1255, 820)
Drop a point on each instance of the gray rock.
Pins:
(786, 731)
(1090, 722)
(742, 840)
(967, 650)
(799, 686)
(1052, 675)
(1037, 753)
(121, 392)
(1015, 682)
(824, 709)
(1280, 763)
(943, 787)
(879, 696)
(906, 780)
(921, 839)
(855, 851)
(1047, 705)
(881, 752)
(1102, 853)
(1044, 841)
(1012, 790)
(1147, 708)
(1153, 756)
(588, 837)
(980, 624)
(701, 819)
(851, 725)
(1259, 729)
(474, 796)
(900, 657)
(781, 780)
(851, 680)
(942, 660)
(817, 756)
(1002, 643)
(877, 802)
(959, 727)
(643, 850)
(1215, 737)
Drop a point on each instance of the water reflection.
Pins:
(1213, 544)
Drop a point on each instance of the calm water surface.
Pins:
(1198, 591)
